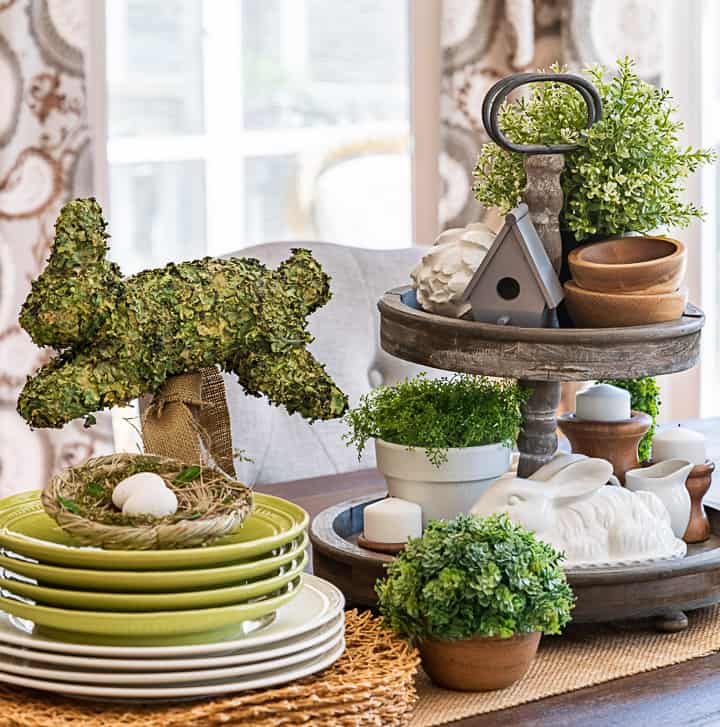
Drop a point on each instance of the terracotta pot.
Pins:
(590, 309)
(617, 442)
(629, 264)
(481, 663)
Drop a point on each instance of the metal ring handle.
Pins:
(499, 91)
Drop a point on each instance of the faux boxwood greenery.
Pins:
(627, 174)
(437, 414)
(475, 577)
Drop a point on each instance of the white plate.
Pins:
(22, 668)
(186, 690)
(249, 656)
(317, 603)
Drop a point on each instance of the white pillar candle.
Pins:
(392, 520)
(679, 443)
(603, 403)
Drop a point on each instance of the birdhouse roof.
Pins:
(519, 227)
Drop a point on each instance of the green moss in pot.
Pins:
(440, 442)
(475, 595)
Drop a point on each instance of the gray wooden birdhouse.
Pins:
(515, 284)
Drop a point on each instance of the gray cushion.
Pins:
(346, 334)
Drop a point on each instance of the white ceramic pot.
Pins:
(445, 491)
(666, 480)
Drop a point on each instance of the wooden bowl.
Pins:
(590, 309)
(629, 264)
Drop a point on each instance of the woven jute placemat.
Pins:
(371, 684)
(581, 658)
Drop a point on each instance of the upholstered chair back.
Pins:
(346, 333)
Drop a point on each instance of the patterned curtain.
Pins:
(484, 40)
(44, 161)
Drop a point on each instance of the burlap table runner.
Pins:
(580, 658)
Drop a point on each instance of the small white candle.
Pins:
(679, 443)
(392, 520)
(603, 403)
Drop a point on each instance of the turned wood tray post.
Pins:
(543, 195)
(544, 198)
(538, 440)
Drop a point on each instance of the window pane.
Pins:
(158, 213)
(155, 66)
(243, 121)
(270, 198)
(324, 62)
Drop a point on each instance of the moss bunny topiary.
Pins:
(120, 338)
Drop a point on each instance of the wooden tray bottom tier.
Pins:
(663, 589)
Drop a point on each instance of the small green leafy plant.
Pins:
(644, 396)
(626, 174)
(436, 414)
(475, 577)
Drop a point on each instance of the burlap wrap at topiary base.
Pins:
(371, 684)
(188, 420)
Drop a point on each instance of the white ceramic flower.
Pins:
(441, 277)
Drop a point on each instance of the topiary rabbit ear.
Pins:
(579, 479)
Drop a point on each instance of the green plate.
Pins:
(25, 528)
(102, 601)
(21, 498)
(201, 625)
(164, 581)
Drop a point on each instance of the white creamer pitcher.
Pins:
(667, 481)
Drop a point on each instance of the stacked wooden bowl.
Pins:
(627, 281)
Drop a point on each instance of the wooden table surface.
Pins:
(684, 694)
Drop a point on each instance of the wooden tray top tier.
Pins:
(538, 354)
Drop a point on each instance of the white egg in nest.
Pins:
(144, 493)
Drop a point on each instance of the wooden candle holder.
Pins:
(617, 442)
(388, 548)
(697, 484)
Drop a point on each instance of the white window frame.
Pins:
(224, 202)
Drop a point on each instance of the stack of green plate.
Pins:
(148, 597)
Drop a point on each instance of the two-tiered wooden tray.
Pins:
(541, 358)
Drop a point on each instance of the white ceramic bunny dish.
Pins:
(568, 505)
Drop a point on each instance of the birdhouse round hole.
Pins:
(508, 288)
